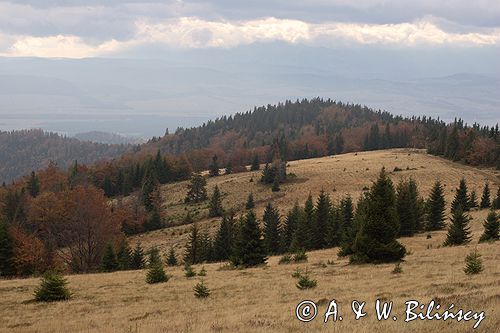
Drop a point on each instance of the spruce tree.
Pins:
(249, 249)
(193, 251)
(473, 263)
(171, 259)
(276, 184)
(347, 244)
(473, 200)
(322, 215)
(435, 208)
(53, 287)
(496, 202)
(137, 260)
(33, 185)
(408, 208)
(271, 221)
(376, 240)
(109, 261)
(124, 256)
(156, 274)
(154, 257)
(461, 198)
(6, 250)
(197, 191)
(302, 236)
(223, 242)
(148, 187)
(214, 167)
(485, 198)
(255, 163)
(491, 228)
(250, 203)
(289, 227)
(206, 248)
(200, 290)
(216, 203)
(458, 231)
(154, 221)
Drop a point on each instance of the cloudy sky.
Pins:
(112, 28)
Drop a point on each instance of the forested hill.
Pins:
(318, 127)
(29, 150)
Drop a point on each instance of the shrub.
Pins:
(156, 274)
(300, 256)
(305, 282)
(473, 263)
(200, 290)
(53, 287)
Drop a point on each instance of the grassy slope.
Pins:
(263, 299)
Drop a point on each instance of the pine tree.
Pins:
(249, 248)
(473, 200)
(289, 227)
(485, 198)
(345, 220)
(491, 228)
(124, 256)
(436, 208)
(322, 214)
(200, 290)
(193, 251)
(6, 251)
(53, 287)
(197, 191)
(271, 220)
(214, 167)
(302, 236)
(223, 243)
(137, 260)
(216, 203)
(458, 231)
(205, 247)
(109, 261)
(473, 263)
(250, 203)
(461, 198)
(156, 274)
(376, 240)
(33, 185)
(171, 259)
(347, 245)
(148, 187)
(154, 257)
(154, 221)
(408, 208)
(496, 202)
(255, 163)
(276, 184)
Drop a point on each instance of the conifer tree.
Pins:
(473, 263)
(346, 218)
(322, 214)
(216, 203)
(302, 236)
(435, 208)
(271, 220)
(205, 247)
(33, 185)
(255, 163)
(458, 231)
(289, 227)
(333, 224)
(473, 200)
(148, 187)
(53, 287)
(461, 197)
(200, 290)
(156, 273)
(491, 228)
(214, 167)
(229, 168)
(197, 191)
(249, 248)
(154, 221)
(223, 242)
(496, 202)
(347, 245)
(376, 240)
(408, 208)
(171, 259)
(154, 257)
(485, 198)
(124, 256)
(109, 260)
(193, 251)
(137, 260)
(250, 203)
(6, 250)
(276, 184)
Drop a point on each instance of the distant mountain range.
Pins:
(108, 138)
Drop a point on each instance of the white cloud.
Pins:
(192, 32)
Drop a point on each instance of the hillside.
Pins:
(30, 150)
(246, 300)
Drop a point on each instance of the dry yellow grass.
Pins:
(263, 299)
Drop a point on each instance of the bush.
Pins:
(53, 287)
(305, 282)
(300, 256)
(200, 290)
(473, 263)
(286, 259)
(156, 274)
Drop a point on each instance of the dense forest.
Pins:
(29, 150)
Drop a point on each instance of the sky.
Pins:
(113, 28)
